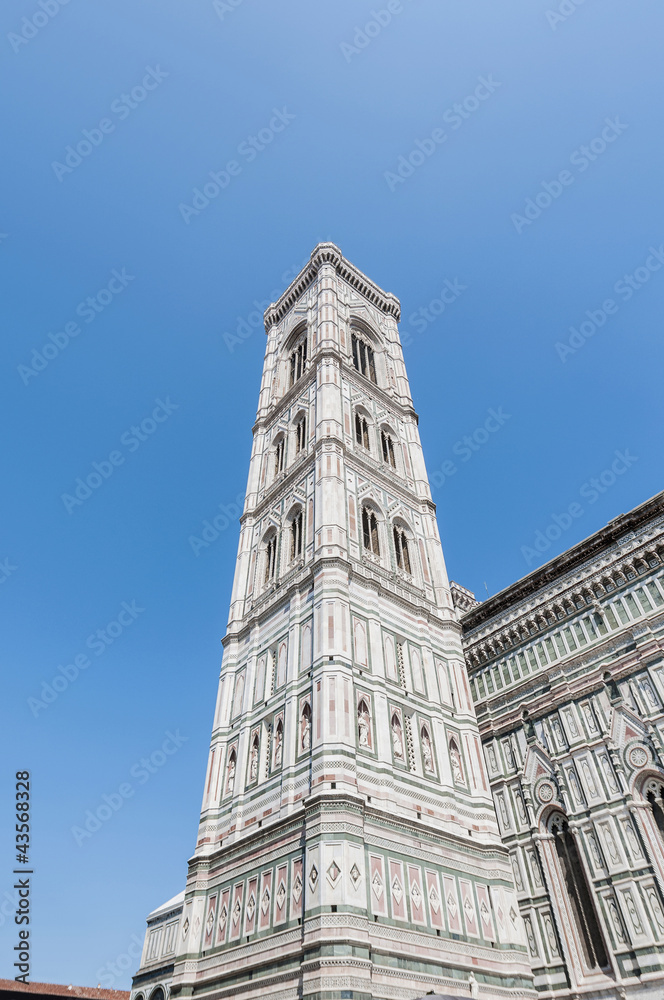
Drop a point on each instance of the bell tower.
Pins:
(347, 845)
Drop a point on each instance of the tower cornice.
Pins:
(329, 253)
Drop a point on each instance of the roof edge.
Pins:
(566, 562)
(329, 253)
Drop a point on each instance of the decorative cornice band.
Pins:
(328, 253)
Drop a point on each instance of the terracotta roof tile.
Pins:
(56, 989)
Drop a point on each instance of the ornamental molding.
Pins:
(330, 254)
(591, 560)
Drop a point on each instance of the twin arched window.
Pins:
(279, 455)
(363, 358)
(300, 433)
(298, 359)
(388, 449)
(296, 536)
(271, 558)
(362, 430)
(401, 549)
(371, 541)
(271, 545)
(370, 531)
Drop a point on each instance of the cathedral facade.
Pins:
(382, 815)
(567, 673)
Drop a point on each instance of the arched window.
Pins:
(270, 558)
(578, 894)
(388, 449)
(362, 430)
(655, 796)
(296, 536)
(298, 360)
(401, 549)
(363, 358)
(279, 455)
(300, 434)
(370, 531)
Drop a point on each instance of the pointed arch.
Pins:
(388, 444)
(578, 893)
(300, 431)
(427, 749)
(295, 523)
(364, 730)
(231, 769)
(362, 427)
(363, 351)
(296, 350)
(404, 548)
(269, 555)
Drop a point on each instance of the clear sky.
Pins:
(495, 166)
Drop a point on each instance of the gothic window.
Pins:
(362, 430)
(388, 449)
(370, 531)
(656, 805)
(298, 360)
(270, 558)
(279, 455)
(363, 358)
(579, 894)
(401, 549)
(296, 536)
(300, 432)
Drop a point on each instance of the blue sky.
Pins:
(532, 206)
